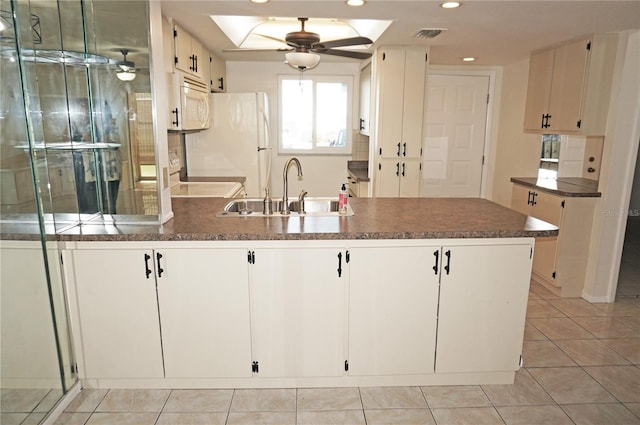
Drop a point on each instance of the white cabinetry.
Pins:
(399, 87)
(483, 302)
(217, 74)
(365, 100)
(393, 304)
(189, 54)
(118, 313)
(298, 302)
(203, 296)
(569, 86)
(559, 263)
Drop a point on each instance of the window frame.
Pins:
(316, 150)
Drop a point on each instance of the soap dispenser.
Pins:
(343, 199)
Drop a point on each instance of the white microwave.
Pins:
(190, 108)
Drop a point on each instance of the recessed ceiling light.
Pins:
(450, 4)
(259, 1)
(355, 2)
(468, 59)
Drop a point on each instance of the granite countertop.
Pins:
(375, 218)
(359, 170)
(566, 186)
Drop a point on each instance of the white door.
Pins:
(118, 313)
(483, 302)
(203, 296)
(454, 136)
(393, 305)
(298, 311)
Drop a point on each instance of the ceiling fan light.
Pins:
(355, 2)
(126, 75)
(302, 61)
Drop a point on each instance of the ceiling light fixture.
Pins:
(450, 4)
(302, 61)
(468, 59)
(126, 69)
(259, 1)
(355, 2)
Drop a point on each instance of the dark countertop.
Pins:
(566, 186)
(375, 218)
(359, 170)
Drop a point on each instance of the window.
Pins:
(315, 114)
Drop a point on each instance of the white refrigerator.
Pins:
(237, 142)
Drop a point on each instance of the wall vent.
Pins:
(427, 33)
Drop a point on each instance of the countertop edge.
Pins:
(569, 194)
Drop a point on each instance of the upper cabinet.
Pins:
(365, 99)
(399, 86)
(189, 54)
(217, 74)
(569, 87)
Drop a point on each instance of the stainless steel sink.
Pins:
(253, 207)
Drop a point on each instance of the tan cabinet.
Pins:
(569, 87)
(217, 74)
(400, 87)
(365, 100)
(189, 54)
(559, 263)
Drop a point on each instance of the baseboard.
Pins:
(595, 300)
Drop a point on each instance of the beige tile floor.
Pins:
(582, 366)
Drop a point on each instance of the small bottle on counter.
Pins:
(343, 199)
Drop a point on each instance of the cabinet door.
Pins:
(365, 99)
(203, 296)
(548, 208)
(483, 302)
(388, 178)
(520, 199)
(391, 68)
(298, 312)
(218, 74)
(413, 103)
(569, 70)
(118, 313)
(538, 88)
(410, 178)
(200, 59)
(393, 305)
(183, 55)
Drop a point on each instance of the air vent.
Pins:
(427, 33)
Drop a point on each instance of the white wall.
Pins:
(323, 174)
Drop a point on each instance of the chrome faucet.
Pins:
(285, 184)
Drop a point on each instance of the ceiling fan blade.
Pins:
(283, 49)
(344, 53)
(353, 41)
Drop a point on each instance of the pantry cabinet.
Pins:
(483, 303)
(393, 304)
(118, 313)
(189, 55)
(298, 311)
(559, 263)
(203, 295)
(569, 86)
(399, 103)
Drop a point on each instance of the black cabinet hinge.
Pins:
(426, 57)
(588, 45)
(380, 151)
(61, 259)
(251, 257)
(384, 56)
(346, 365)
(562, 204)
(553, 275)
(579, 123)
(379, 166)
(531, 253)
(175, 33)
(254, 367)
(74, 368)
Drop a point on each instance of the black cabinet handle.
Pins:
(533, 198)
(361, 124)
(529, 198)
(403, 164)
(175, 111)
(404, 149)
(195, 65)
(160, 269)
(398, 153)
(221, 81)
(437, 255)
(340, 264)
(147, 271)
(542, 121)
(398, 169)
(447, 268)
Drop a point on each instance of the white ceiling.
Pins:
(498, 32)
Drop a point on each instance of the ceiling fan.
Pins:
(305, 45)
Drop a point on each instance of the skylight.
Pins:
(251, 32)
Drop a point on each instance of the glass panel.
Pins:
(297, 114)
(331, 114)
(549, 156)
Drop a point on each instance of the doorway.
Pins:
(455, 132)
(629, 275)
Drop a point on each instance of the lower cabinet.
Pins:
(393, 305)
(483, 303)
(296, 312)
(298, 309)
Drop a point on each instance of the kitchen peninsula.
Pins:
(404, 292)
